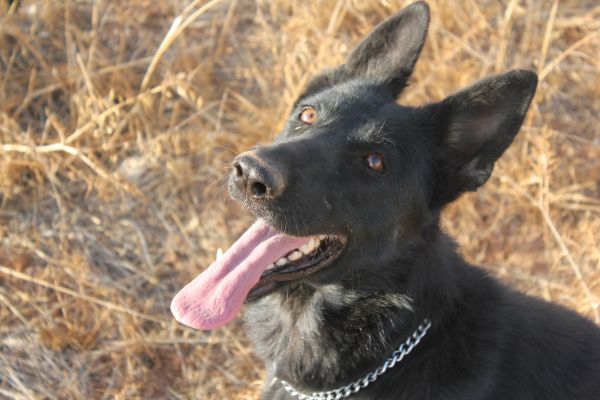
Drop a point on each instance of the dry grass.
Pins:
(117, 123)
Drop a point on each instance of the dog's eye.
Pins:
(374, 161)
(308, 115)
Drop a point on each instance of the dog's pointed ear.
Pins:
(388, 54)
(474, 127)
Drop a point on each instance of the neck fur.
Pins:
(303, 332)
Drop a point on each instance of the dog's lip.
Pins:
(272, 278)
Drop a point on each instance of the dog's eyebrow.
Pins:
(375, 134)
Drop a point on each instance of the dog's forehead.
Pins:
(347, 95)
(370, 113)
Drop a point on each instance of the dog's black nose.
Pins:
(256, 178)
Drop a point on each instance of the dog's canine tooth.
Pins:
(296, 255)
(270, 266)
(281, 262)
(219, 253)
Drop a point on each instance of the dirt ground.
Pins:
(118, 121)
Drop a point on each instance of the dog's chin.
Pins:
(299, 264)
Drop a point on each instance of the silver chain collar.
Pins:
(354, 387)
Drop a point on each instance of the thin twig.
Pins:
(55, 147)
(177, 27)
(81, 296)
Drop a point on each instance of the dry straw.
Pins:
(118, 121)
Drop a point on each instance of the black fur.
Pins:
(398, 268)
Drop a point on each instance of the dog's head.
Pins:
(354, 178)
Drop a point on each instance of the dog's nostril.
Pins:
(238, 170)
(258, 189)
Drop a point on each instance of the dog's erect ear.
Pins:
(386, 56)
(474, 127)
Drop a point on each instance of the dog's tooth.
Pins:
(321, 237)
(219, 253)
(270, 266)
(296, 255)
(281, 262)
(312, 245)
(305, 248)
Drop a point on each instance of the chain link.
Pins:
(356, 386)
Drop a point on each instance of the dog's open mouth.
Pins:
(259, 261)
(312, 256)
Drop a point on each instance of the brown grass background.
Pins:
(117, 123)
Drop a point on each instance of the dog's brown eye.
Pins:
(308, 115)
(374, 161)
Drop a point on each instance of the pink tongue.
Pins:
(215, 297)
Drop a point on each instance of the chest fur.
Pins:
(304, 333)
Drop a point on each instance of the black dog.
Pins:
(352, 288)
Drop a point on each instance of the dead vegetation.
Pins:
(117, 123)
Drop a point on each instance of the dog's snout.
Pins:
(256, 178)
